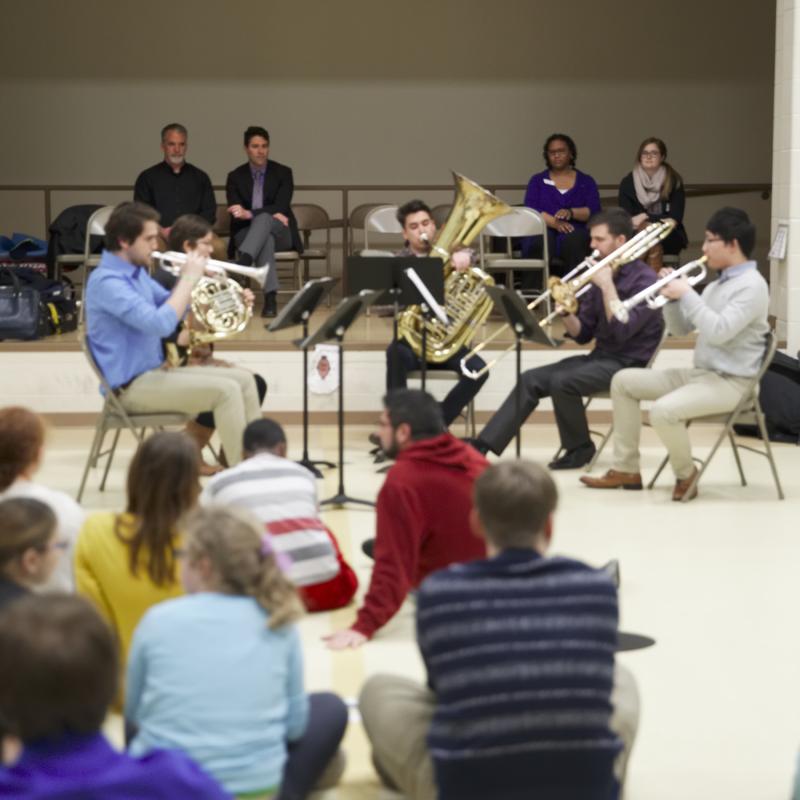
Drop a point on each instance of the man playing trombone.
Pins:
(617, 345)
(731, 321)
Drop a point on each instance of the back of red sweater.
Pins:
(423, 523)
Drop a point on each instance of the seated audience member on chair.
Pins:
(128, 314)
(58, 676)
(616, 345)
(218, 674)
(174, 187)
(260, 204)
(419, 231)
(651, 192)
(513, 708)
(730, 318)
(422, 510)
(566, 198)
(282, 496)
(191, 233)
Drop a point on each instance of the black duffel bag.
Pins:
(22, 314)
(21, 291)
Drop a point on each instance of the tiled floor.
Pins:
(715, 582)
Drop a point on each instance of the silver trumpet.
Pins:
(175, 259)
(693, 272)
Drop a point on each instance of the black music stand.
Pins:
(297, 312)
(334, 328)
(525, 326)
(387, 274)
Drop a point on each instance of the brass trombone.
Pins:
(694, 272)
(566, 291)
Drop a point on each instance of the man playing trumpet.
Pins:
(731, 320)
(617, 345)
(128, 314)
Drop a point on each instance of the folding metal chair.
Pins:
(747, 409)
(114, 417)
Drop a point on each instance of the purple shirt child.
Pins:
(87, 768)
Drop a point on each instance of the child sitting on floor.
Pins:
(29, 548)
(219, 673)
(58, 675)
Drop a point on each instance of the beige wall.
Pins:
(357, 92)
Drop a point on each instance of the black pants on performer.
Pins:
(567, 382)
(401, 359)
(575, 247)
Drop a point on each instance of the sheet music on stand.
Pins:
(427, 297)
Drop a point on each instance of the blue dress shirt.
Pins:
(126, 318)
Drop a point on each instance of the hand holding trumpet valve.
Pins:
(676, 288)
(194, 267)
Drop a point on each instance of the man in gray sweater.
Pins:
(730, 318)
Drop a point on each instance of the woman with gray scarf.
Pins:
(654, 191)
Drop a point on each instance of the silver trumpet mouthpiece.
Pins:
(425, 238)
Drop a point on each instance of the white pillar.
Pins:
(785, 274)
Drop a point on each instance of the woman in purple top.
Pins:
(566, 198)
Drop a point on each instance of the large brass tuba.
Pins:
(466, 303)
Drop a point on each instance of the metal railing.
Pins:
(345, 191)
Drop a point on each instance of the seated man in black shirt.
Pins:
(174, 188)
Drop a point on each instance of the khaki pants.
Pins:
(679, 395)
(397, 714)
(229, 392)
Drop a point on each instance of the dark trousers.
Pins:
(567, 382)
(206, 419)
(401, 359)
(575, 247)
(261, 239)
(309, 756)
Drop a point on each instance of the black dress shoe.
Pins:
(270, 308)
(368, 548)
(573, 459)
(478, 444)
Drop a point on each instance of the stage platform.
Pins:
(51, 375)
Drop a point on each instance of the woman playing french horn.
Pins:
(192, 234)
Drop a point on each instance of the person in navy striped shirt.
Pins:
(519, 651)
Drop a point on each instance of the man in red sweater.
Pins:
(423, 509)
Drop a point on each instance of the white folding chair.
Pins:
(520, 221)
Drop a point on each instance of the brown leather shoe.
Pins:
(682, 486)
(614, 480)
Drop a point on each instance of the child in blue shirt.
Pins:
(219, 673)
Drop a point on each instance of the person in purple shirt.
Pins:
(617, 345)
(58, 676)
(566, 198)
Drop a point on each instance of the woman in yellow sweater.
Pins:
(125, 563)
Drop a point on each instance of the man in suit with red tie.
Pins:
(259, 202)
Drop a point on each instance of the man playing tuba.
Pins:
(419, 231)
